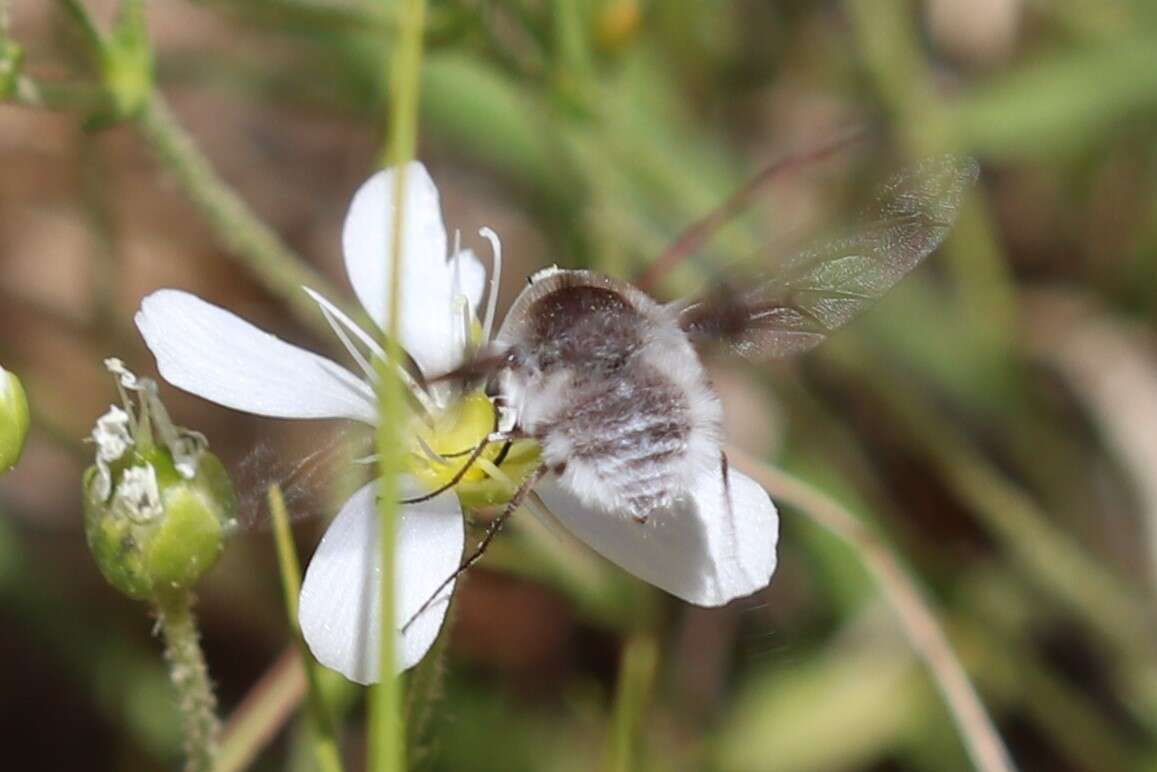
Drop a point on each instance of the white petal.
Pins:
(428, 328)
(214, 354)
(339, 609)
(705, 550)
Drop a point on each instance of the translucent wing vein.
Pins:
(819, 290)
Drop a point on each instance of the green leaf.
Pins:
(841, 710)
(1060, 103)
(471, 105)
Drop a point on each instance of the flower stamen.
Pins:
(353, 350)
(430, 452)
(494, 472)
(495, 279)
(124, 380)
(464, 317)
(338, 315)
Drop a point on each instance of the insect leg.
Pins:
(725, 472)
(524, 490)
(457, 478)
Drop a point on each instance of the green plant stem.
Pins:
(324, 743)
(239, 229)
(265, 709)
(637, 667)
(928, 640)
(47, 95)
(1110, 607)
(571, 47)
(190, 678)
(426, 688)
(386, 739)
(80, 15)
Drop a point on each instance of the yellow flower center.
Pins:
(440, 451)
(453, 438)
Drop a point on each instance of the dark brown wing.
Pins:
(821, 289)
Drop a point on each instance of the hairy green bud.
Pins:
(158, 505)
(13, 419)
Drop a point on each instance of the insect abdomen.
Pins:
(624, 439)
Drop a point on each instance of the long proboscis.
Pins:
(479, 367)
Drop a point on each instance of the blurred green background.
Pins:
(995, 417)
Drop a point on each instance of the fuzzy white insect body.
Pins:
(611, 387)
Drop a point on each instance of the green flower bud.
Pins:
(158, 505)
(13, 419)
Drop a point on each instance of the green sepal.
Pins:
(171, 552)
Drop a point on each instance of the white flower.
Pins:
(210, 352)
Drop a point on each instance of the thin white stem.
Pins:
(116, 367)
(347, 380)
(353, 350)
(917, 619)
(340, 315)
(462, 329)
(329, 308)
(430, 452)
(494, 472)
(461, 310)
(495, 279)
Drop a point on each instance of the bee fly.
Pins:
(608, 381)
